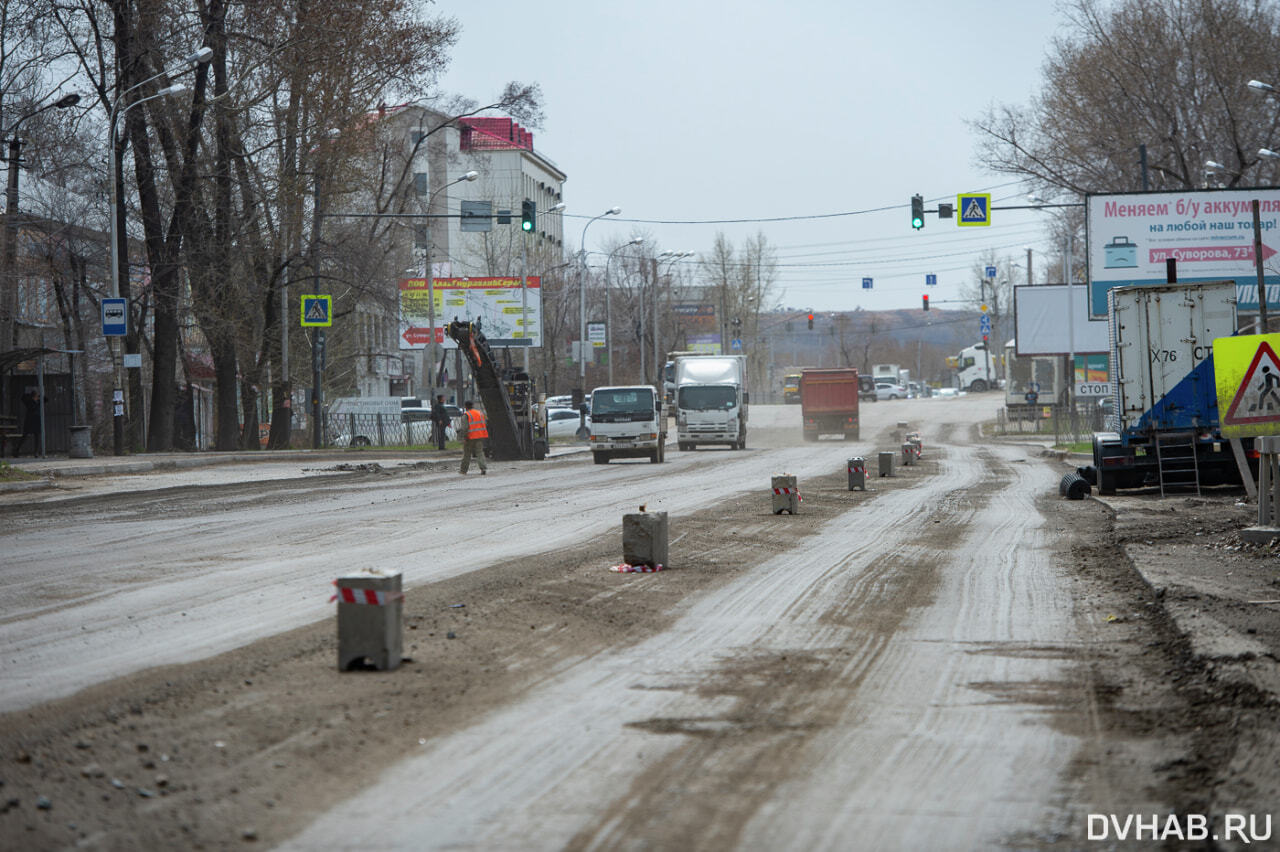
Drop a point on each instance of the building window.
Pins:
(420, 183)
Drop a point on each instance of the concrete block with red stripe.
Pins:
(370, 620)
(786, 494)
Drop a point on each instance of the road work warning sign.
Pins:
(1247, 378)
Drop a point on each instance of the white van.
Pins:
(627, 422)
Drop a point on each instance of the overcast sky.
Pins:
(680, 110)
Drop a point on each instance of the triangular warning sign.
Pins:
(1258, 399)
(974, 210)
(317, 311)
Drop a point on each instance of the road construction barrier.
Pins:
(886, 464)
(370, 620)
(857, 473)
(909, 454)
(644, 540)
(786, 494)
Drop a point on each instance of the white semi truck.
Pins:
(711, 400)
(975, 369)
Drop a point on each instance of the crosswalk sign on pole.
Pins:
(317, 311)
(974, 209)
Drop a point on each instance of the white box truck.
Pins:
(1166, 404)
(711, 401)
(627, 422)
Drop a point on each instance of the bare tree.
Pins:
(1169, 75)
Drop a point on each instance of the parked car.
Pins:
(947, 392)
(885, 390)
(563, 422)
(559, 402)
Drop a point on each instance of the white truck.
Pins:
(975, 369)
(886, 373)
(1166, 419)
(627, 422)
(711, 401)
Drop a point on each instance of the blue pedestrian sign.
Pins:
(115, 318)
(974, 209)
(317, 311)
(737, 343)
(930, 280)
(866, 283)
(991, 272)
(984, 324)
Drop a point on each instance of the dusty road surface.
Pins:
(953, 659)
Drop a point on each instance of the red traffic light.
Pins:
(926, 301)
(810, 322)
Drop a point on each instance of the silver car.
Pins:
(885, 390)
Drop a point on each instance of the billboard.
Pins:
(1040, 324)
(697, 324)
(508, 314)
(1209, 232)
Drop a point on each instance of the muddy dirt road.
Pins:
(935, 663)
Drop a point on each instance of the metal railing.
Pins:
(1063, 423)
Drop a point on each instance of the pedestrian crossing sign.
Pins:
(974, 208)
(1247, 378)
(317, 311)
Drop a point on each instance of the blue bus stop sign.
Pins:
(115, 318)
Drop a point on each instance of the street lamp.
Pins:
(608, 310)
(524, 284)
(9, 305)
(669, 257)
(117, 214)
(581, 298)
(431, 289)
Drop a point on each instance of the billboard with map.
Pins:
(508, 313)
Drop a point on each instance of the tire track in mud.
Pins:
(816, 661)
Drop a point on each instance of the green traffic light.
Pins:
(526, 225)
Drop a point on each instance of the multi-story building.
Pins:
(422, 159)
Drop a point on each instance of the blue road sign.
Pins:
(115, 319)
(866, 283)
(984, 324)
(737, 343)
(930, 280)
(991, 272)
(317, 311)
(974, 209)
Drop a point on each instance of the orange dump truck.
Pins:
(829, 402)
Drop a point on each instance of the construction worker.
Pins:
(473, 440)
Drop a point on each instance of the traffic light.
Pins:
(917, 211)
(528, 213)
(811, 322)
(926, 301)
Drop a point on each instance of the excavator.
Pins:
(508, 397)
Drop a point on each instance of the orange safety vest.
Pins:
(475, 425)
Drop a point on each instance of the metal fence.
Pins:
(1064, 424)
(376, 430)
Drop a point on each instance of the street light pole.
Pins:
(431, 288)
(582, 298)
(608, 310)
(9, 299)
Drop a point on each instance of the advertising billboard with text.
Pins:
(1209, 232)
(508, 314)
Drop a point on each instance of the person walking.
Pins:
(439, 421)
(30, 423)
(473, 441)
